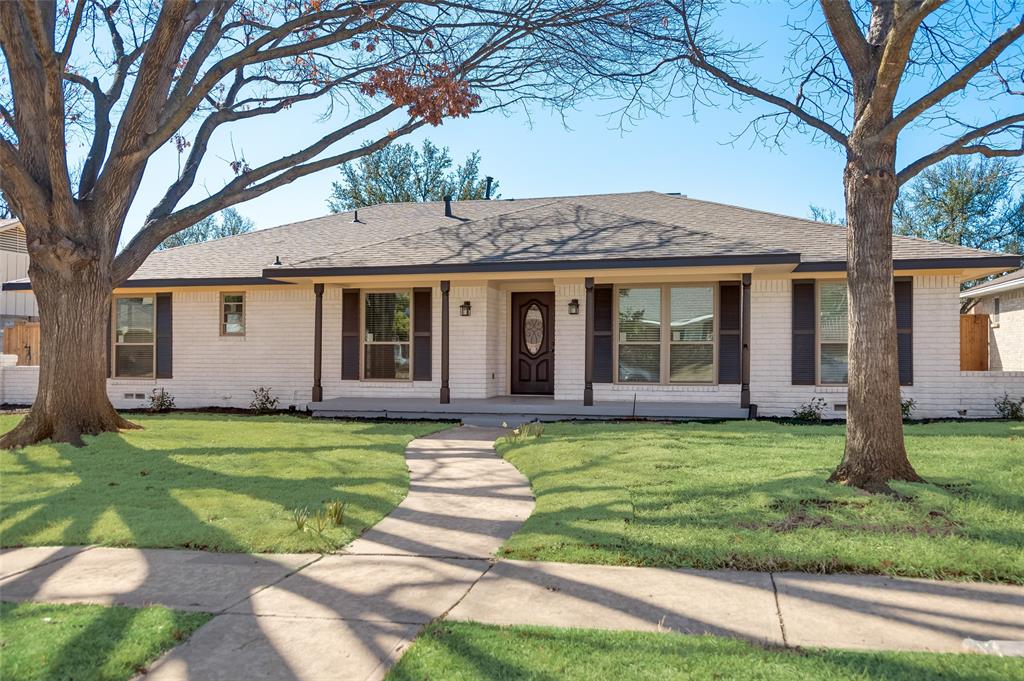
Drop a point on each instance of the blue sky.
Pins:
(583, 152)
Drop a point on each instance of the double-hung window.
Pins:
(666, 334)
(134, 337)
(387, 317)
(232, 314)
(833, 322)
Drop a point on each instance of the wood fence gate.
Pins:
(974, 342)
(22, 340)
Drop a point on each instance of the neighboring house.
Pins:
(1002, 299)
(14, 265)
(698, 309)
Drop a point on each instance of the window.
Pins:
(232, 314)
(692, 341)
(387, 317)
(681, 351)
(640, 335)
(995, 312)
(832, 332)
(134, 337)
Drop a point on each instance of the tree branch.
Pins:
(962, 145)
(69, 42)
(843, 25)
(957, 81)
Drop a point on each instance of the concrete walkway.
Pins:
(350, 615)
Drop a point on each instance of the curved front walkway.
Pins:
(341, 616)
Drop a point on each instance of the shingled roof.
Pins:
(1007, 282)
(573, 232)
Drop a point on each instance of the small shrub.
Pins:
(263, 402)
(319, 522)
(1010, 408)
(907, 407)
(300, 516)
(160, 400)
(336, 512)
(533, 430)
(810, 412)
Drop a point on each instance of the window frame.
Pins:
(113, 338)
(223, 324)
(665, 341)
(818, 335)
(362, 335)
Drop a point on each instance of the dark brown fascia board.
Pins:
(922, 264)
(534, 265)
(174, 283)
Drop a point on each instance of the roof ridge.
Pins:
(427, 231)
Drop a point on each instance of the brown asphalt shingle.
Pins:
(640, 225)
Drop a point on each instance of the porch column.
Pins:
(588, 346)
(446, 394)
(745, 344)
(318, 341)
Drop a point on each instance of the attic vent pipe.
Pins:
(448, 206)
(355, 216)
(487, 191)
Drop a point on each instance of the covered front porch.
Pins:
(514, 410)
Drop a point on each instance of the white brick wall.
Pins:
(1006, 341)
(212, 370)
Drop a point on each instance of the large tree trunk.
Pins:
(74, 304)
(875, 452)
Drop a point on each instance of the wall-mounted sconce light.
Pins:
(574, 306)
(465, 309)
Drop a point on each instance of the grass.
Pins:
(457, 651)
(752, 495)
(204, 481)
(86, 642)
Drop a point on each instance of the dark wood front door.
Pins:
(533, 344)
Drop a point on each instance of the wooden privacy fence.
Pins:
(974, 342)
(22, 340)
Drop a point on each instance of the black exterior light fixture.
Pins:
(465, 309)
(574, 306)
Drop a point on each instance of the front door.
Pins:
(533, 343)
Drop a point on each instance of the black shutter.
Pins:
(729, 316)
(164, 336)
(603, 369)
(350, 334)
(422, 361)
(904, 290)
(803, 351)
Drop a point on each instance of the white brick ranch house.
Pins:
(642, 303)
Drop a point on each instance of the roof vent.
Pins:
(448, 206)
(355, 216)
(277, 261)
(487, 191)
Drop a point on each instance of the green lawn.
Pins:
(752, 495)
(458, 651)
(86, 642)
(215, 482)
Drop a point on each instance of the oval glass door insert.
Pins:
(533, 329)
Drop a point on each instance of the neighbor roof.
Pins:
(572, 232)
(1007, 282)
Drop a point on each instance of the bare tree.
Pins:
(859, 76)
(129, 76)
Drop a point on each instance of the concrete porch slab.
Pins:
(186, 580)
(724, 603)
(515, 410)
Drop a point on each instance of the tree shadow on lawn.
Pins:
(155, 496)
